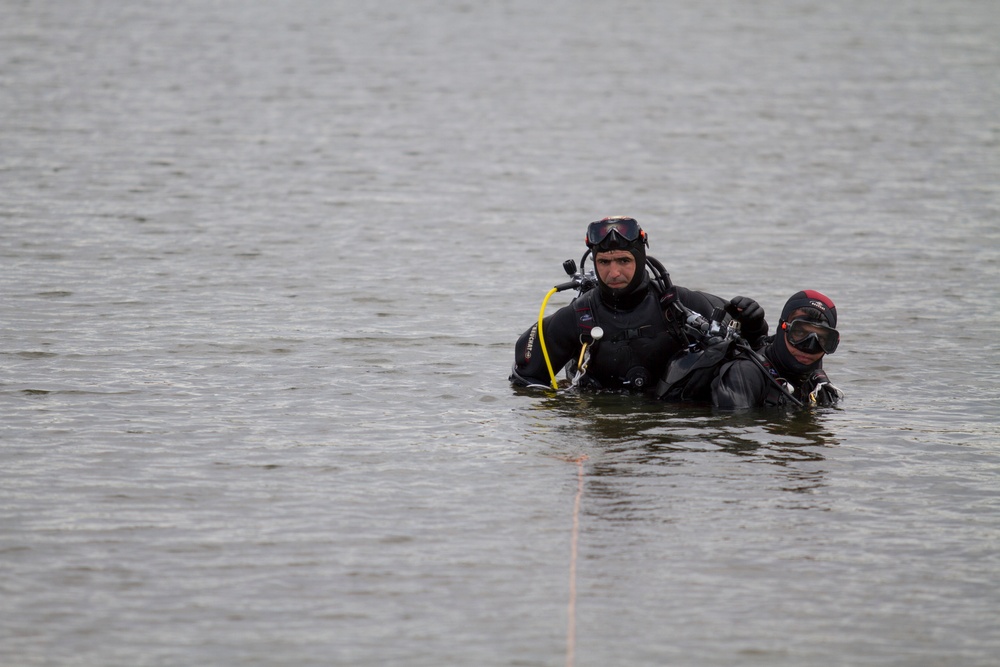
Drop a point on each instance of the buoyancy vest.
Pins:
(741, 383)
(636, 345)
(691, 371)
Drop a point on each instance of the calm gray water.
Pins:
(262, 266)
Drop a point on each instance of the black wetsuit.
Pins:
(633, 353)
(740, 383)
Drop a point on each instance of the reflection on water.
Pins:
(631, 440)
(613, 420)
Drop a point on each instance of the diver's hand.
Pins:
(820, 391)
(748, 312)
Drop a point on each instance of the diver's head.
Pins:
(612, 241)
(822, 307)
(807, 330)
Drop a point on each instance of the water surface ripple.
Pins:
(262, 266)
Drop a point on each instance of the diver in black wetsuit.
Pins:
(793, 356)
(638, 321)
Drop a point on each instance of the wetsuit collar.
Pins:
(628, 297)
(788, 366)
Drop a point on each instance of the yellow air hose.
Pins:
(541, 338)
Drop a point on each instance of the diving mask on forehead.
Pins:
(617, 233)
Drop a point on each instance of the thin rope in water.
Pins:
(571, 611)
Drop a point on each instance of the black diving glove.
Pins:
(818, 390)
(750, 315)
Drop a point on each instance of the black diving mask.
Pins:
(614, 234)
(811, 337)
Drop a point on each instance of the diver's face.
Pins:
(801, 356)
(615, 268)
